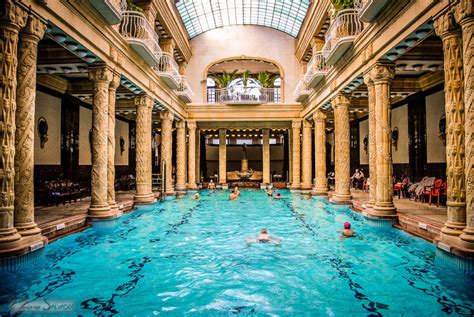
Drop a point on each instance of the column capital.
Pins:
(368, 79)
(296, 124)
(167, 116)
(464, 11)
(115, 82)
(13, 13)
(341, 100)
(100, 72)
(445, 25)
(144, 101)
(180, 124)
(319, 116)
(35, 27)
(382, 72)
(191, 124)
(307, 124)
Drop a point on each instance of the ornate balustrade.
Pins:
(244, 95)
(184, 92)
(302, 90)
(141, 36)
(111, 10)
(345, 27)
(316, 69)
(168, 70)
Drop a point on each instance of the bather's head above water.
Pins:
(264, 231)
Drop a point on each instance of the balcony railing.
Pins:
(111, 10)
(141, 36)
(316, 70)
(302, 90)
(184, 91)
(369, 9)
(168, 70)
(341, 34)
(243, 95)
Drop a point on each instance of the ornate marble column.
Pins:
(321, 185)
(382, 75)
(24, 214)
(342, 192)
(191, 155)
(100, 75)
(144, 192)
(450, 34)
(167, 148)
(180, 156)
(307, 159)
(464, 14)
(114, 84)
(266, 156)
(12, 19)
(296, 161)
(372, 144)
(222, 157)
(290, 156)
(198, 156)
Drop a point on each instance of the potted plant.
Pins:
(266, 78)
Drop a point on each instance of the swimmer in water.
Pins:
(233, 196)
(278, 195)
(196, 196)
(270, 192)
(237, 191)
(347, 232)
(264, 237)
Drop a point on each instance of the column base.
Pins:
(144, 199)
(384, 210)
(181, 187)
(113, 205)
(319, 191)
(341, 198)
(265, 185)
(455, 246)
(99, 212)
(295, 187)
(192, 187)
(28, 229)
(467, 237)
(24, 246)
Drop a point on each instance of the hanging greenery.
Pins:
(342, 4)
(266, 78)
(224, 79)
(131, 6)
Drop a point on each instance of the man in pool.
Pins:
(347, 232)
(237, 191)
(270, 192)
(196, 196)
(233, 195)
(278, 195)
(264, 237)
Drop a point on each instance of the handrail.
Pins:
(169, 66)
(301, 88)
(136, 27)
(184, 86)
(346, 24)
(246, 95)
(317, 64)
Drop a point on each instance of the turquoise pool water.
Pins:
(186, 256)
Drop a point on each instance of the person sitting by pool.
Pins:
(264, 237)
(233, 195)
(237, 191)
(211, 185)
(347, 232)
(270, 192)
(196, 196)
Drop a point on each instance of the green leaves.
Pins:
(266, 78)
(342, 4)
(131, 6)
(224, 79)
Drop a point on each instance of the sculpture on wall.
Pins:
(366, 143)
(42, 131)
(442, 129)
(122, 145)
(395, 138)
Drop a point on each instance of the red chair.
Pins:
(398, 187)
(365, 187)
(438, 190)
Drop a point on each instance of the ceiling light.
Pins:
(401, 49)
(411, 41)
(66, 70)
(71, 45)
(50, 70)
(417, 67)
(90, 58)
(59, 37)
(81, 53)
(392, 56)
(422, 33)
(433, 67)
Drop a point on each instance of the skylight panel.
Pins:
(203, 15)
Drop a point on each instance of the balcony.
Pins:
(341, 34)
(243, 95)
(316, 69)
(369, 9)
(141, 36)
(168, 70)
(184, 92)
(302, 90)
(111, 10)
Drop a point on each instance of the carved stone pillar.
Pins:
(111, 142)
(450, 34)
(167, 149)
(372, 144)
(307, 158)
(382, 75)
(342, 193)
(100, 75)
(464, 14)
(25, 128)
(12, 19)
(222, 157)
(266, 156)
(296, 144)
(180, 156)
(321, 185)
(191, 155)
(198, 156)
(144, 192)
(290, 156)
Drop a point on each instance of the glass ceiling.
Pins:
(203, 15)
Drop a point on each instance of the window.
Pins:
(203, 15)
(243, 141)
(211, 90)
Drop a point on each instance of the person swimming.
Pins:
(264, 237)
(270, 192)
(347, 232)
(278, 195)
(233, 195)
(237, 191)
(196, 196)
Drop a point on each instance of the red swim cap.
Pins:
(347, 225)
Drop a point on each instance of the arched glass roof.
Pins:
(203, 15)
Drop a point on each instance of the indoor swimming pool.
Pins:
(190, 256)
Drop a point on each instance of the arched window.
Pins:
(211, 90)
